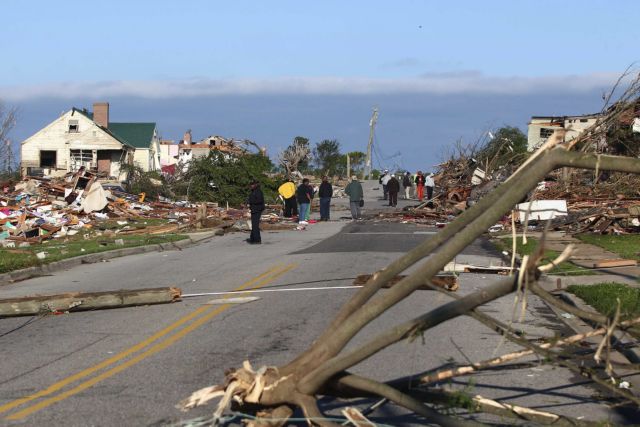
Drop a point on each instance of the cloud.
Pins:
(408, 62)
(466, 82)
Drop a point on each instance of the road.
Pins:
(131, 366)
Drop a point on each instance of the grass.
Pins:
(565, 268)
(602, 297)
(57, 249)
(627, 246)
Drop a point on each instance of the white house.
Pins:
(82, 138)
(542, 127)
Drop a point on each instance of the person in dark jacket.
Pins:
(393, 187)
(325, 193)
(256, 205)
(304, 195)
(406, 183)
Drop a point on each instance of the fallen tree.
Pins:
(323, 369)
(82, 301)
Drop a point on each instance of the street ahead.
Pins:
(131, 366)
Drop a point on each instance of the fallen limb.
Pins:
(77, 301)
(478, 403)
(399, 398)
(469, 369)
(314, 379)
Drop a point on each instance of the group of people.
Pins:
(391, 186)
(297, 201)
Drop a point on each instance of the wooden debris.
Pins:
(29, 306)
(448, 282)
(356, 418)
(470, 268)
(608, 263)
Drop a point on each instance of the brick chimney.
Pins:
(101, 113)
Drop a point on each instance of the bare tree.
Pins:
(7, 122)
(293, 155)
(323, 369)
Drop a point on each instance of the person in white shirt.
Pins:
(429, 184)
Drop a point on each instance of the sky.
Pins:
(438, 71)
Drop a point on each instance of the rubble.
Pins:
(577, 203)
(37, 209)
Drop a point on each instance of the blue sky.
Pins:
(272, 61)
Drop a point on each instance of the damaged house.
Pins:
(82, 138)
(542, 127)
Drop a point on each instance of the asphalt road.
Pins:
(131, 366)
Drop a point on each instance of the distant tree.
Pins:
(222, 178)
(327, 157)
(303, 143)
(7, 122)
(508, 146)
(357, 161)
(295, 158)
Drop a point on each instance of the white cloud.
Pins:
(467, 82)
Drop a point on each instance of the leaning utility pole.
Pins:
(372, 126)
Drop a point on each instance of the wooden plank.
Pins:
(607, 263)
(77, 301)
(448, 282)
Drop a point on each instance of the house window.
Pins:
(48, 158)
(546, 133)
(584, 120)
(73, 126)
(80, 158)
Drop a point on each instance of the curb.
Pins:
(46, 269)
(579, 325)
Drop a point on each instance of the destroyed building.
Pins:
(188, 150)
(82, 138)
(540, 128)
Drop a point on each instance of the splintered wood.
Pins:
(446, 282)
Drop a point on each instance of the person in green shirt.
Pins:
(356, 195)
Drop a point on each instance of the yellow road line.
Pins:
(278, 270)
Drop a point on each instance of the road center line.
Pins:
(264, 278)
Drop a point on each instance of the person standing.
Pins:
(288, 193)
(256, 206)
(420, 185)
(356, 196)
(429, 184)
(325, 193)
(406, 183)
(304, 195)
(393, 186)
(385, 182)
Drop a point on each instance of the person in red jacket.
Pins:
(420, 185)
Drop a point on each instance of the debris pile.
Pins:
(36, 209)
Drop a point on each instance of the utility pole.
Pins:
(348, 166)
(372, 126)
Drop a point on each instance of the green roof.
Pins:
(137, 135)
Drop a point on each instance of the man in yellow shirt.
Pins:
(288, 193)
